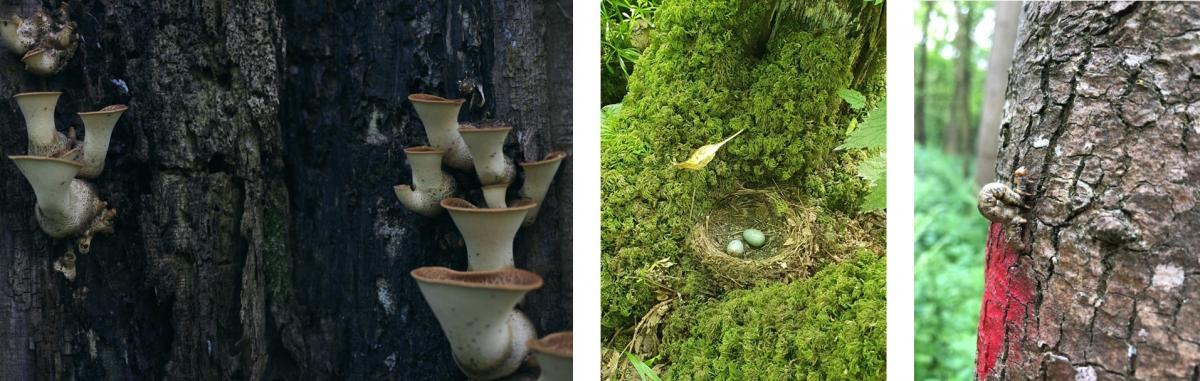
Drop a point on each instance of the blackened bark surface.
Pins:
(1102, 109)
(178, 290)
(347, 307)
(257, 234)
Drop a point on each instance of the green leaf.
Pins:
(644, 371)
(872, 132)
(608, 117)
(877, 198)
(854, 98)
(874, 169)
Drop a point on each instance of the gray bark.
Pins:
(1103, 112)
(257, 234)
(1004, 39)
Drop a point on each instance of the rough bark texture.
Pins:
(1102, 109)
(1004, 38)
(257, 235)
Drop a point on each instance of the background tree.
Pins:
(950, 235)
(922, 71)
(959, 130)
(257, 234)
(1004, 36)
(1104, 281)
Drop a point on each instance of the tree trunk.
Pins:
(257, 235)
(959, 128)
(922, 74)
(1004, 37)
(1103, 115)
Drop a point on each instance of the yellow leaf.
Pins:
(701, 156)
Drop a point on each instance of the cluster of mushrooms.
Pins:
(476, 308)
(58, 165)
(45, 42)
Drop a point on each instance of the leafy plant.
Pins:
(625, 27)
(854, 98)
(608, 119)
(948, 281)
(645, 372)
(870, 134)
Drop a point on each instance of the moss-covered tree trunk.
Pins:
(714, 68)
(1102, 110)
(257, 234)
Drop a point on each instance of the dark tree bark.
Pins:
(922, 73)
(958, 130)
(1004, 38)
(1103, 114)
(257, 234)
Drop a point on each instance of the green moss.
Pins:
(715, 67)
(832, 325)
(279, 264)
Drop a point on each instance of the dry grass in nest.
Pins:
(791, 250)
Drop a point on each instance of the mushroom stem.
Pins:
(38, 109)
(429, 186)
(439, 116)
(487, 152)
(98, 126)
(489, 232)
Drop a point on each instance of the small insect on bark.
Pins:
(1003, 204)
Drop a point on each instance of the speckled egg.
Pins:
(735, 247)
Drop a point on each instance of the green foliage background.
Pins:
(941, 55)
(712, 68)
(949, 254)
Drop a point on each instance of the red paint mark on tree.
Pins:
(1005, 295)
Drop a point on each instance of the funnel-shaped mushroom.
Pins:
(99, 127)
(488, 336)
(66, 207)
(429, 185)
(44, 62)
(488, 232)
(487, 151)
(38, 109)
(495, 194)
(440, 118)
(538, 176)
(553, 354)
(18, 34)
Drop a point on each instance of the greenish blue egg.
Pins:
(754, 237)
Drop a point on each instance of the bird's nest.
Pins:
(791, 251)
